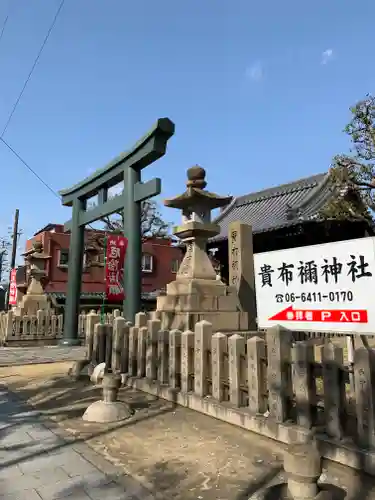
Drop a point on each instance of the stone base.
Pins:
(101, 412)
(226, 321)
(188, 301)
(31, 303)
(281, 492)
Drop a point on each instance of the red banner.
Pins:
(114, 268)
(13, 288)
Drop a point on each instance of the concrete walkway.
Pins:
(39, 354)
(35, 463)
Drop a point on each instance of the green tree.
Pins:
(354, 174)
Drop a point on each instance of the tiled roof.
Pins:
(278, 207)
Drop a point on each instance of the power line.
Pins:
(17, 155)
(5, 22)
(33, 66)
(29, 167)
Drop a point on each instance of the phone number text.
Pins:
(341, 296)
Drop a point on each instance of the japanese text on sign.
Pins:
(311, 272)
(13, 288)
(233, 259)
(317, 284)
(114, 268)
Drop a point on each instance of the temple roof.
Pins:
(278, 207)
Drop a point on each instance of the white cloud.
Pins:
(255, 72)
(326, 56)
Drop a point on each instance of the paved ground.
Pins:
(161, 452)
(37, 464)
(45, 354)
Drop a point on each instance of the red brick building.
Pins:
(160, 262)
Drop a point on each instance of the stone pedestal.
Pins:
(303, 468)
(197, 294)
(108, 409)
(302, 464)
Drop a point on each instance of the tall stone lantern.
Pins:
(34, 299)
(197, 294)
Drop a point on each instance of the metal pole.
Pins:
(15, 239)
(14, 251)
(132, 231)
(76, 248)
(2, 253)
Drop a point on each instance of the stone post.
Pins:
(364, 371)
(278, 342)
(175, 359)
(100, 334)
(203, 335)
(303, 383)
(118, 353)
(92, 319)
(108, 346)
(187, 360)
(334, 389)
(8, 330)
(241, 267)
(142, 346)
(236, 349)
(153, 328)
(219, 347)
(133, 350)
(163, 356)
(256, 352)
(125, 348)
(140, 319)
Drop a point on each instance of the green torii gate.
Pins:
(127, 168)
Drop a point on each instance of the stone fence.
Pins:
(43, 327)
(47, 327)
(280, 390)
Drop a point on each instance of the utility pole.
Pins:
(14, 251)
(3, 253)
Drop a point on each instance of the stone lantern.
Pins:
(35, 298)
(197, 294)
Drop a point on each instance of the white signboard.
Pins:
(320, 288)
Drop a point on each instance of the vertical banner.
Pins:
(13, 288)
(114, 267)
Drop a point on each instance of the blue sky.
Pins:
(259, 91)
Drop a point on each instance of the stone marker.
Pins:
(241, 267)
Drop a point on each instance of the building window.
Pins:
(147, 263)
(63, 258)
(175, 265)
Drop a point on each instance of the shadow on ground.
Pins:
(173, 452)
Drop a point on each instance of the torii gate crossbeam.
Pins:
(125, 168)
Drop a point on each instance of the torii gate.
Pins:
(127, 168)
